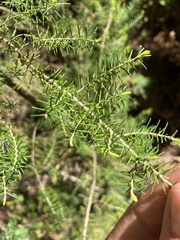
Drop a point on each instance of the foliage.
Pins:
(69, 66)
(13, 232)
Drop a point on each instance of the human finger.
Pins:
(171, 219)
(143, 220)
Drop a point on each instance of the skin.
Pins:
(156, 215)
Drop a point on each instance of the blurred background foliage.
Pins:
(52, 196)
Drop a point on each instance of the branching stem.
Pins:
(47, 80)
(50, 81)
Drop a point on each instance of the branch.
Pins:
(45, 79)
(106, 30)
(7, 10)
(22, 92)
(41, 185)
(60, 39)
(93, 185)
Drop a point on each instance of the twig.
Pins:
(93, 185)
(22, 92)
(46, 79)
(7, 10)
(106, 30)
(153, 134)
(161, 177)
(64, 39)
(111, 206)
(4, 188)
(41, 185)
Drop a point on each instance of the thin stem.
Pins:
(7, 10)
(106, 30)
(4, 188)
(22, 92)
(64, 39)
(41, 185)
(151, 134)
(15, 151)
(93, 185)
(161, 177)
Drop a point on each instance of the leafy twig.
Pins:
(48, 80)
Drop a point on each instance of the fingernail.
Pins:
(175, 213)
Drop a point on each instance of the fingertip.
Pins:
(171, 219)
(175, 210)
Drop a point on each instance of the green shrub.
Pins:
(70, 153)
